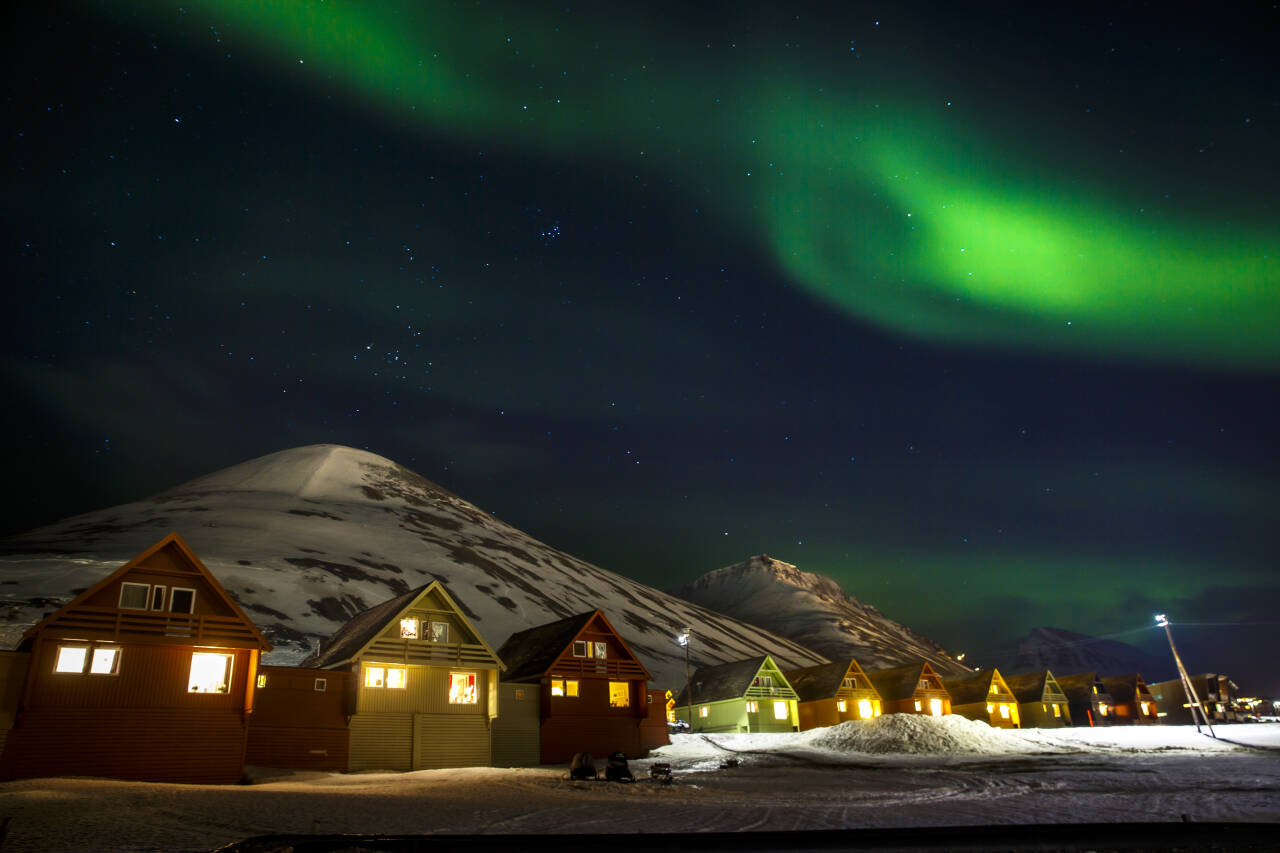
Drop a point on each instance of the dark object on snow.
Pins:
(728, 763)
(660, 771)
(616, 770)
(583, 766)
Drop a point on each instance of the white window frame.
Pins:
(781, 711)
(704, 711)
(146, 596)
(444, 631)
(115, 659)
(410, 628)
(84, 659)
(321, 685)
(158, 590)
(753, 707)
(581, 649)
(230, 664)
(601, 651)
(173, 595)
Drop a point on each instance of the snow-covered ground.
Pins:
(900, 771)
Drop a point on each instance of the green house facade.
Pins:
(743, 696)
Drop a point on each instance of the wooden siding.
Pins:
(449, 740)
(152, 744)
(381, 742)
(426, 691)
(731, 715)
(653, 728)
(290, 698)
(297, 747)
(1039, 715)
(516, 729)
(13, 678)
(826, 712)
(600, 736)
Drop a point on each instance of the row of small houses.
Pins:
(154, 673)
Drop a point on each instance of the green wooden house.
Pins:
(983, 696)
(1041, 702)
(744, 696)
(833, 693)
(425, 683)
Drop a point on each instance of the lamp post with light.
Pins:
(683, 640)
(1188, 688)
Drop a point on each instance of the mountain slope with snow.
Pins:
(815, 612)
(305, 538)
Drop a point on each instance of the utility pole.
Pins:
(1187, 687)
(683, 640)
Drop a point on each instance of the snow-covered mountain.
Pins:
(815, 612)
(305, 538)
(1066, 652)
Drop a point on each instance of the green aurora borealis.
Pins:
(888, 204)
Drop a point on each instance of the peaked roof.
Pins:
(532, 653)
(1124, 688)
(812, 683)
(900, 682)
(1029, 686)
(361, 630)
(724, 681)
(1078, 687)
(968, 689)
(172, 542)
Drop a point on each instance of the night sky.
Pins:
(973, 309)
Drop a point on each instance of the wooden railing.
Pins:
(771, 692)
(154, 626)
(427, 653)
(595, 666)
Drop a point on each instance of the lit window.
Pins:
(1004, 711)
(1095, 689)
(182, 601)
(564, 687)
(990, 708)
(462, 688)
(262, 680)
(157, 598)
(133, 596)
(397, 677)
(1057, 710)
(105, 661)
(375, 676)
(764, 681)
(993, 688)
(935, 707)
(864, 708)
(580, 649)
(602, 651)
(210, 672)
(1044, 707)
(753, 707)
(1146, 709)
(704, 710)
(1102, 708)
(71, 659)
(842, 705)
(619, 694)
(780, 710)
(408, 628)
(847, 684)
(875, 708)
(439, 632)
(919, 707)
(924, 684)
(322, 684)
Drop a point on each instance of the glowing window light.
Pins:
(105, 661)
(780, 711)
(1004, 711)
(919, 707)
(557, 687)
(564, 687)
(864, 709)
(704, 711)
(1146, 708)
(462, 688)
(409, 628)
(1102, 708)
(397, 677)
(994, 689)
(842, 706)
(571, 688)
(619, 694)
(935, 707)
(375, 676)
(71, 659)
(1057, 709)
(210, 673)
(262, 680)
(753, 707)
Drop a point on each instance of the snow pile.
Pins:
(914, 734)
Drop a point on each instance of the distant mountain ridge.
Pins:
(1066, 652)
(305, 538)
(814, 611)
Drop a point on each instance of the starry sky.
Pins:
(973, 309)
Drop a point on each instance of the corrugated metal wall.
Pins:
(450, 740)
(381, 742)
(426, 691)
(516, 729)
(151, 744)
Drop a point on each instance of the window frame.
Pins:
(173, 596)
(410, 628)
(115, 659)
(71, 647)
(780, 710)
(474, 687)
(146, 596)
(321, 685)
(601, 651)
(625, 694)
(443, 631)
(230, 670)
(161, 591)
(564, 685)
(581, 649)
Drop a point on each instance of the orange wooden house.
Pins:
(833, 693)
(148, 674)
(984, 696)
(593, 695)
(300, 719)
(1134, 703)
(913, 688)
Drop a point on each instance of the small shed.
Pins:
(1041, 702)
(1087, 698)
(300, 719)
(148, 674)
(833, 693)
(984, 696)
(749, 695)
(517, 729)
(912, 688)
(424, 683)
(653, 728)
(1132, 700)
(592, 695)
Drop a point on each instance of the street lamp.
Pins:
(1189, 689)
(683, 640)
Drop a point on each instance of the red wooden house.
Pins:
(593, 695)
(300, 719)
(148, 674)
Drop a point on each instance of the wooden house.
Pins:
(984, 696)
(424, 683)
(300, 719)
(653, 728)
(743, 696)
(1087, 699)
(913, 688)
(517, 730)
(13, 677)
(1041, 702)
(1132, 702)
(148, 674)
(833, 693)
(592, 691)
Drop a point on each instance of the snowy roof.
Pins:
(1029, 686)
(530, 653)
(900, 682)
(1079, 686)
(723, 681)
